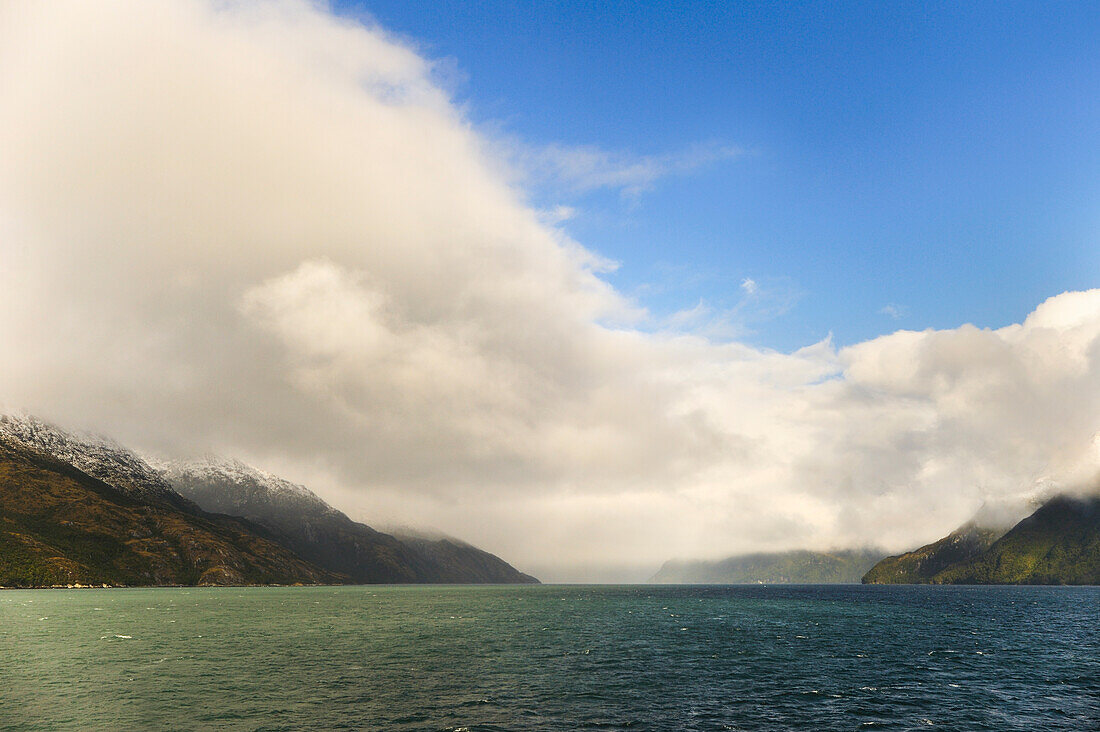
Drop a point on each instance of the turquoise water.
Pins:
(551, 658)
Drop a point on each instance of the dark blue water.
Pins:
(552, 658)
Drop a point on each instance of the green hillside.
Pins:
(794, 567)
(1059, 544)
(921, 566)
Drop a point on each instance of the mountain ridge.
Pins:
(302, 538)
(921, 565)
(1058, 543)
(801, 566)
(96, 455)
(61, 526)
(327, 536)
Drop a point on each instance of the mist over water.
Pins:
(552, 658)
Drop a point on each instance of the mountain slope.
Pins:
(920, 566)
(453, 561)
(59, 525)
(1059, 544)
(794, 567)
(327, 537)
(97, 456)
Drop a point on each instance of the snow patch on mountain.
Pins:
(96, 455)
(216, 470)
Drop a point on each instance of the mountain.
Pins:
(794, 567)
(921, 566)
(99, 457)
(327, 537)
(1058, 544)
(453, 561)
(59, 525)
(292, 532)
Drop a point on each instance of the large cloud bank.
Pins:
(261, 230)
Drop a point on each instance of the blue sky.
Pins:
(903, 166)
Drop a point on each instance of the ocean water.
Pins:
(551, 658)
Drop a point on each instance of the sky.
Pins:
(890, 152)
(591, 286)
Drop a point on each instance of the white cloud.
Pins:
(894, 311)
(259, 230)
(559, 214)
(584, 168)
(757, 303)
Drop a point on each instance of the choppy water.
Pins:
(551, 658)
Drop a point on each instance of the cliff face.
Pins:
(59, 525)
(1058, 544)
(327, 537)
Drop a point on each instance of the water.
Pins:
(551, 658)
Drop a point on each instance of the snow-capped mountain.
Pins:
(324, 535)
(227, 485)
(217, 493)
(80, 509)
(98, 456)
